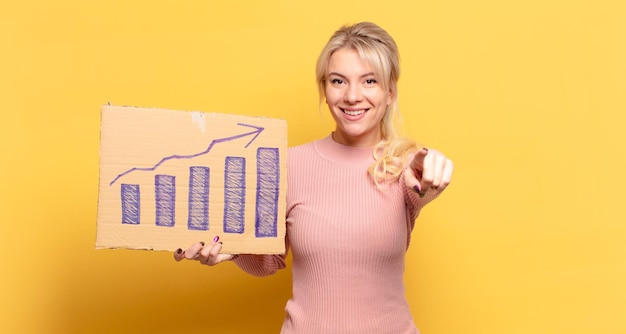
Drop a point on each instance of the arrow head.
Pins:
(256, 132)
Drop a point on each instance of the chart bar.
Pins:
(130, 204)
(268, 189)
(165, 194)
(234, 194)
(198, 198)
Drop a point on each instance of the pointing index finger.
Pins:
(417, 162)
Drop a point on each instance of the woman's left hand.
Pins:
(208, 254)
(428, 170)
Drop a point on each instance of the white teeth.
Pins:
(354, 112)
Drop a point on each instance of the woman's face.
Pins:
(356, 99)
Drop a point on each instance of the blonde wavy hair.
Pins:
(377, 47)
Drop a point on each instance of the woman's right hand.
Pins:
(208, 254)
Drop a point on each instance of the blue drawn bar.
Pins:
(130, 204)
(198, 198)
(267, 190)
(165, 192)
(234, 194)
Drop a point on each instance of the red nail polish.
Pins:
(216, 239)
(179, 251)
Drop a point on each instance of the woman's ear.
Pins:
(391, 96)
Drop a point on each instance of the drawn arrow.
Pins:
(256, 133)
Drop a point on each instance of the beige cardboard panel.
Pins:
(171, 178)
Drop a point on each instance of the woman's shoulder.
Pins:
(303, 149)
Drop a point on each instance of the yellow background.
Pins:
(527, 97)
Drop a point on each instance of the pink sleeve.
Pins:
(261, 264)
(414, 204)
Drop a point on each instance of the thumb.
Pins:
(222, 257)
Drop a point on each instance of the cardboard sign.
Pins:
(171, 178)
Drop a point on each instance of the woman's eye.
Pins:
(336, 81)
(370, 81)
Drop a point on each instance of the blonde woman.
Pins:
(352, 200)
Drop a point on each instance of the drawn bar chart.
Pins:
(172, 178)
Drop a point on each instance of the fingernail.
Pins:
(216, 239)
(419, 190)
(221, 243)
(179, 251)
(202, 243)
(425, 149)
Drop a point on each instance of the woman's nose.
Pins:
(353, 94)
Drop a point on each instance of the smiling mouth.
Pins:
(354, 112)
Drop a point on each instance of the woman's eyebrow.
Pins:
(343, 76)
(336, 74)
